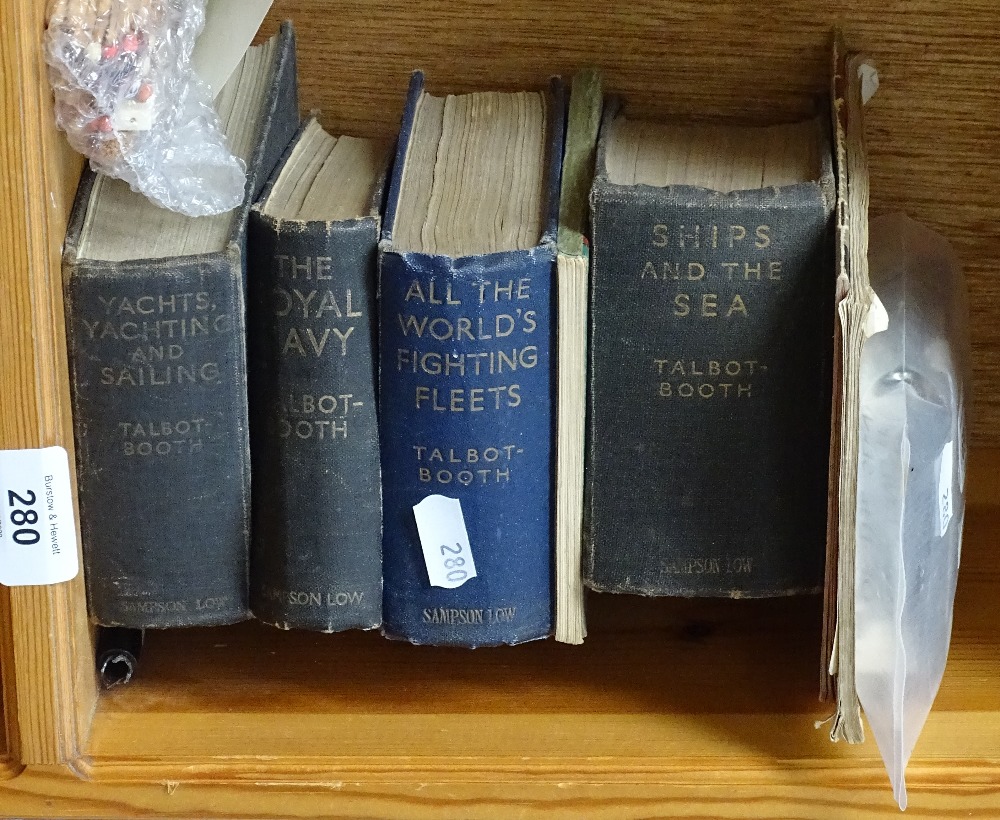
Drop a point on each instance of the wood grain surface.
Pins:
(47, 694)
(828, 793)
(704, 708)
(698, 708)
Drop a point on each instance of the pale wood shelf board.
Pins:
(658, 681)
(821, 794)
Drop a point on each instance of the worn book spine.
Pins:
(466, 411)
(317, 517)
(573, 276)
(160, 413)
(711, 343)
(159, 394)
(469, 419)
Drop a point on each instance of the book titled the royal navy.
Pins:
(466, 371)
(155, 326)
(317, 505)
(711, 347)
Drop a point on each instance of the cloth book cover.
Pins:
(466, 412)
(159, 395)
(317, 516)
(709, 418)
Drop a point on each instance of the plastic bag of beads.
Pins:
(128, 99)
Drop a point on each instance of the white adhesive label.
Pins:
(945, 497)
(37, 526)
(445, 541)
(868, 75)
(878, 317)
(132, 115)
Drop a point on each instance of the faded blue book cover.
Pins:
(466, 411)
(711, 328)
(160, 411)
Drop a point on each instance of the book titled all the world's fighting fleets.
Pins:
(543, 346)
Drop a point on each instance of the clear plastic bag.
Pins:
(127, 98)
(911, 483)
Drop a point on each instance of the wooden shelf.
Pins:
(705, 708)
(658, 681)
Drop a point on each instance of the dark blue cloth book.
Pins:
(155, 327)
(466, 412)
(315, 554)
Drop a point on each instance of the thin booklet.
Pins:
(853, 81)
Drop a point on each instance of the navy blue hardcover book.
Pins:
(315, 555)
(466, 391)
(155, 327)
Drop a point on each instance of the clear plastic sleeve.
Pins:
(127, 98)
(911, 483)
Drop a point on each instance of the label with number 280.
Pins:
(444, 541)
(37, 527)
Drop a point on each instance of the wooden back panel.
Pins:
(935, 148)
